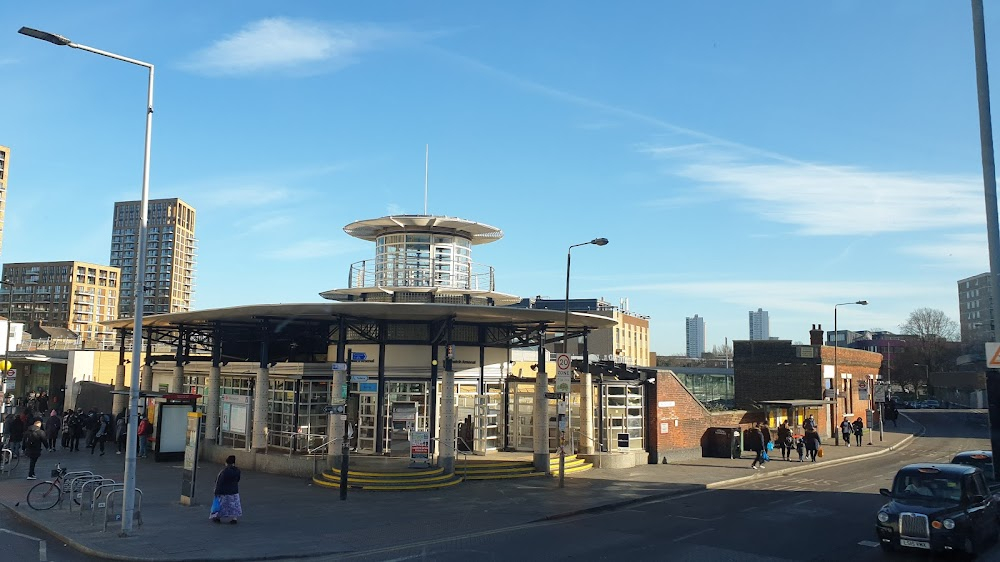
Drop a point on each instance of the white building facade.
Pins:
(760, 325)
(695, 336)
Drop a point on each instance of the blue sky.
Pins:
(780, 155)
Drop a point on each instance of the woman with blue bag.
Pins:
(226, 504)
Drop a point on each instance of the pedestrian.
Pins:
(75, 430)
(812, 443)
(893, 416)
(90, 425)
(102, 433)
(52, 431)
(756, 444)
(765, 433)
(859, 430)
(810, 423)
(785, 441)
(226, 504)
(846, 429)
(121, 428)
(34, 440)
(145, 430)
(800, 448)
(17, 428)
(65, 428)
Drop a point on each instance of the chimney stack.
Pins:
(816, 335)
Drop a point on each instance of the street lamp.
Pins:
(836, 372)
(563, 399)
(6, 364)
(927, 376)
(128, 497)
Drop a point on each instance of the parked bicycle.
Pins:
(48, 494)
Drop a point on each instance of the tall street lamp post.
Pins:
(128, 497)
(563, 399)
(6, 348)
(927, 377)
(836, 372)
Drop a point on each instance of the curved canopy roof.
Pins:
(371, 229)
(470, 314)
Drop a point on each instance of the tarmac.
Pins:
(288, 518)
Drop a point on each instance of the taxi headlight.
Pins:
(948, 524)
(883, 517)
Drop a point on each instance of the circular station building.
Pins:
(419, 343)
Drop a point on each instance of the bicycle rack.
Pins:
(73, 487)
(6, 459)
(94, 485)
(96, 505)
(138, 507)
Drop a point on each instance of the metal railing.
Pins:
(599, 447)
(370, 274)
(465, 465)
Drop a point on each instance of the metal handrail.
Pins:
(599, 448)
(466, 454)
(138, 506)
(323, 444)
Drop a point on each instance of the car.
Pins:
(931, 404)
(938, 507)
(982, 460)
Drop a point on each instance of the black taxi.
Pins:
(982, 460)
(938, 507)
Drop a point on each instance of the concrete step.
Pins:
(388, 481)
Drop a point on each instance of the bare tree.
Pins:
(930, 324)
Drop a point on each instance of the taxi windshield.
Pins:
(927, 487)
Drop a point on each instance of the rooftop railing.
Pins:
(370, 274)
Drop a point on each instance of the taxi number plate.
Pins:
(914, 544)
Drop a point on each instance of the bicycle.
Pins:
(48, 494)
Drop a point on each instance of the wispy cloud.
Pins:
(8, 61)
(289, 45)
(309, 249)
(822, 199)
(265, 223)
(246, 196)
(963, 251)
(801, 296)
(395, 209)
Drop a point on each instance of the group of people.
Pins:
(808, 444)
(30, 432)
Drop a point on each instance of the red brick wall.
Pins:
(686, 421)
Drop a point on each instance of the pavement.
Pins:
(289, 518)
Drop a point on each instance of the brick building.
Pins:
(836, 380)
(677, 421)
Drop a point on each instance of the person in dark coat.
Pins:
(785, 441)
(846, 429)
(756, 444)
(812, 442)
(810, 423)
(52, 426)
(227, 494)
(16, 428)
(34, 439)
(75, 423)
(859, 430)
(102, 434)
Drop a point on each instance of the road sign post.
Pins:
(564, 382)
(345, 450)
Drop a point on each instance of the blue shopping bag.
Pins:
(764, 456)
(770, 445)
(216, 505)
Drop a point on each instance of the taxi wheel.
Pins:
(970, 547)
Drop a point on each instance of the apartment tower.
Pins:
(760, 325)
(695, 336)
(74, 295)
(975, 309)
(170, 255)
(4, 167)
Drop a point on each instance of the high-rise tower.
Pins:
(170, 255)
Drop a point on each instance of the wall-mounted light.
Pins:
(434, 362)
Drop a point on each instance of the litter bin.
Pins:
(722, 443)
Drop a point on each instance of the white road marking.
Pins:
(42, 548)
(694, 534)
(802, 502)
(871, 544)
